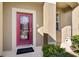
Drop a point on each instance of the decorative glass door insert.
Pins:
(24, 29)
(24, 23)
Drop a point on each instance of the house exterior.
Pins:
(58, 20)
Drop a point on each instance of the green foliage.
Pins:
(77, 51)
(75, 43)
(54, 51)
(75, 39)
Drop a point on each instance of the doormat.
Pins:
(25, 50)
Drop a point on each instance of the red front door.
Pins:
(24, 29)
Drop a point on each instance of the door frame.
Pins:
(14, 11)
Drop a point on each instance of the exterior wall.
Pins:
(50, 21)
(1, 28)
(58, 38)
(75, 21)
(38, 7)
(58, 33)
(66, 24)
(66, 20)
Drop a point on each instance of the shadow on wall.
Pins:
(39, 41)
(51, 40)
(48, 39)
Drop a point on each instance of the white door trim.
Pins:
(14, 10)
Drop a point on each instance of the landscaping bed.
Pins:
(55, 51)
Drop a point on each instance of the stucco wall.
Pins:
(38, 7)
(66, 20)
(75, 21)
(66, 24)
(58, 33)
(1, 28)
(50, 20)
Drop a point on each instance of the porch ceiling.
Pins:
(63, 5)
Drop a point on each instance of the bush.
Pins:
(75, 43)
(75, 40)
(55, 51)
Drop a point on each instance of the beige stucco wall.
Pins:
(38, 7)
(66, 24)
(58, 37)
(1, 28)
(50, 20)
(58, 33)
(66, 20)
(75, 21)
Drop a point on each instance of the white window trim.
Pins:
(14, 10)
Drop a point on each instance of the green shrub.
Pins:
(75, 43)
(55, 51)
(75, 39)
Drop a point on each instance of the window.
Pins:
(58, 21)
(24, 21)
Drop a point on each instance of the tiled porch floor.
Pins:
(37, 53)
